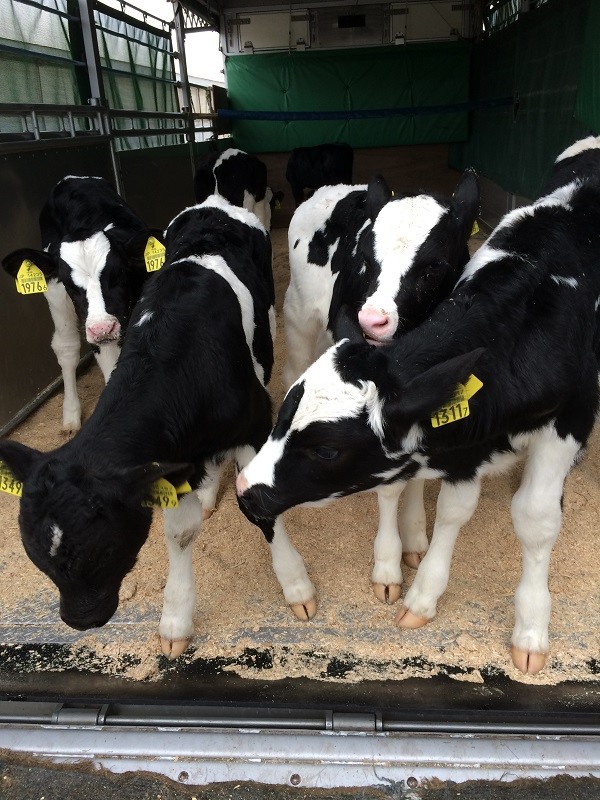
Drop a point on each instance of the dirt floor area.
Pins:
(240, 609)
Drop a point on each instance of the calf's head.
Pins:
(351, 422)
(413, 254)
(102, 273)
(83, 528)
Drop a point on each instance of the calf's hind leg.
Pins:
(537, 517)
(455, 506)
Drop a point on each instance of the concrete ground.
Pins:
(28, 779)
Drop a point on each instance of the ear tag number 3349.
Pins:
(458, 407)
(163, 494)
(8, 482)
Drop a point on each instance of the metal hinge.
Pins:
(356, 723)
(80, 715)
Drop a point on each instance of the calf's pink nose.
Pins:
(106, 329)
(241, 483)
(375, 323)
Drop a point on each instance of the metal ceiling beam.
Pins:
(198, 15)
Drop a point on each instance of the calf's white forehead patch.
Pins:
(86, 258)
(398, 232)
(57, 535)
(327, 398)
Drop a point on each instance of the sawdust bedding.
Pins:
(242, 623)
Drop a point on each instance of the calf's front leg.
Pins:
(182, 525)
(390, 546)
(288, 564)
(67, 346)
(387, 573)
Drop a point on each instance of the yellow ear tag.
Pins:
(154, 255)
(458, 407)
(475, 230)
(162, 494)
(8, 482)
(30, 279)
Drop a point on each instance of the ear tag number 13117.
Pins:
(458, 407)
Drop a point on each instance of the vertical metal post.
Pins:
(94, 68)
(184, 79)
(92, 54)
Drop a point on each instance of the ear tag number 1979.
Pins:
(30, 279)
(458, 407)
(8, 482)
(154, 255)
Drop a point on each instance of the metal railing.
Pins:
(85, 121)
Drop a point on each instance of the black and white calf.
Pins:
(188, 391)
(524, 320)
(387, 262)
(309, 168)
(94, 266)
(239, 177)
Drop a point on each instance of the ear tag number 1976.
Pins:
(30, 279)
(458, 407)
(154, 255)
(8, 482)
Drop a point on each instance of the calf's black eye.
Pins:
(326, 453)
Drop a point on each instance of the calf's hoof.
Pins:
(529, 663)
(412, 560)
(305, 611)
(387, 592)
(173, 648)
(406, 619)
(69, 429)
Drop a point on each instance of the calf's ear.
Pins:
(430, 390)
(136, 245)
(139, 478)
(19, 458)
(378, 194)
(466, 202)
(43, 260)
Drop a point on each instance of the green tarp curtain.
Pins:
(537, 59)
(137, 68)
(587, 106)
(24, 79)
(415, 75)
(40, 48)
